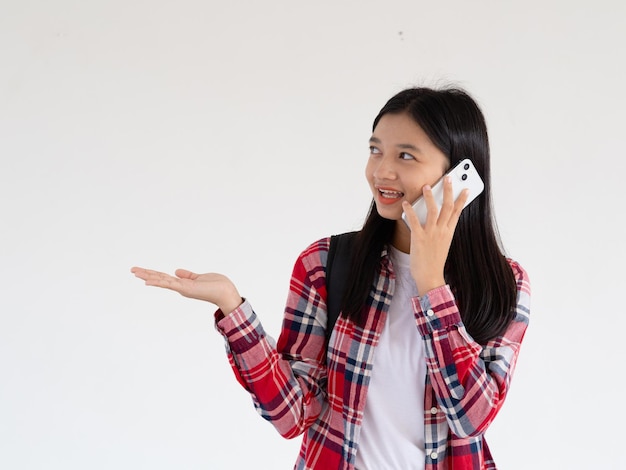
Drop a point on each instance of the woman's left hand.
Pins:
(430, 243)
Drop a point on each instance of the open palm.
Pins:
(210, 287)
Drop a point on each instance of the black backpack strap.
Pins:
(337, 271)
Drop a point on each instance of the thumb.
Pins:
(184, 274)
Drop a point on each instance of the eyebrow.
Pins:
(376, 140)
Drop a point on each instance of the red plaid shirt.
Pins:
(302, 387)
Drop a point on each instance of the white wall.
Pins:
(226, 136)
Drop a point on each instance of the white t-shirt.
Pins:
(392, 433)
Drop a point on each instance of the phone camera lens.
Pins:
(466, 166)
(464, 177)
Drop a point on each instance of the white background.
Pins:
(227, 136)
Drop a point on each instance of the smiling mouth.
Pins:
(386, 194)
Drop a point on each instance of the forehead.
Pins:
(399, 128)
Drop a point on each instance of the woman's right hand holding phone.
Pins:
(431, 242)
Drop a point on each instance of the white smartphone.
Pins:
(464, 175)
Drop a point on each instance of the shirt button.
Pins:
(433, 410)
(433, 455)
(430, 312)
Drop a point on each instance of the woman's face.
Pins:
(402, 160)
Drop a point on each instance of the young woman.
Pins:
(420, 360)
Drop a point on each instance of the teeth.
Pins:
(390, 194)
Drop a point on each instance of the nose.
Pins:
(385, 168)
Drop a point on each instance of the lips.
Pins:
(389, 196)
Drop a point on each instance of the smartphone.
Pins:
(464, 175)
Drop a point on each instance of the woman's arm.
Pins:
(286, 381)
(470, 381)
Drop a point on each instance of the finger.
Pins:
(184, 274)
(153, 277)
(431, 206)
(459, 204)
(164, 281)
(447, 207)
(137, 269)
(411, 216)
(143, 273)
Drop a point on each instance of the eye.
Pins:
(406, 156)
(374, 150)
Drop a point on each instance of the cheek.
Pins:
(414, 185)
(433, 176)
(413, 192)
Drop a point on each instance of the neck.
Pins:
(402, 237)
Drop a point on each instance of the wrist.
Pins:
(426, 286)
(230, 304)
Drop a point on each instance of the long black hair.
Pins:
(476, 268)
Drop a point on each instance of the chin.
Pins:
(388, 213)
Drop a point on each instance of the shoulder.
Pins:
(309, 269)
(521, 276)
(319, 249)
(316, 248)
(314, 258)
(522, 284)
(311, 262)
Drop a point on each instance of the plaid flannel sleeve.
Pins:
(470, 380)
(287, 380)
